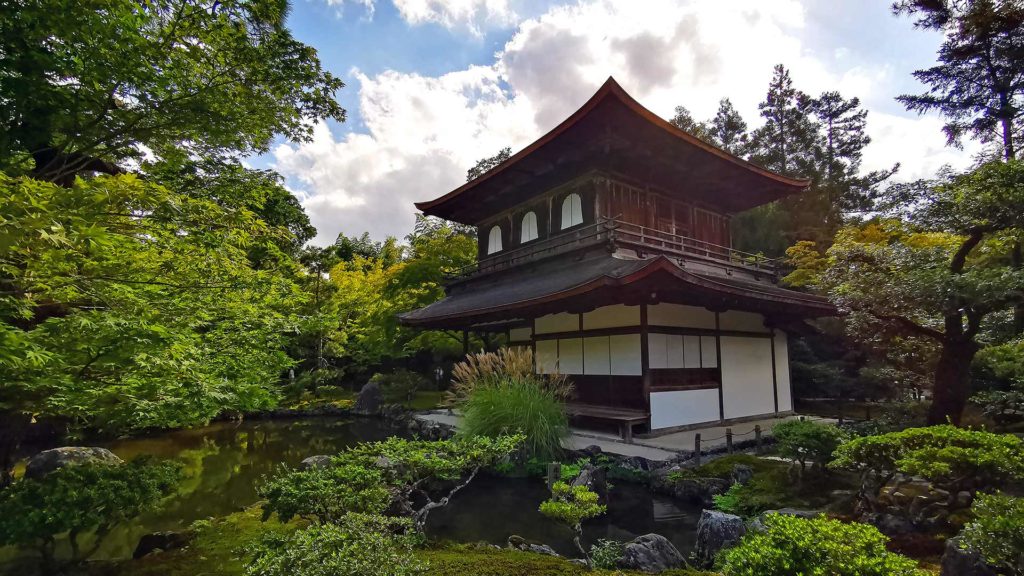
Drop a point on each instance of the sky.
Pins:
(434, 85)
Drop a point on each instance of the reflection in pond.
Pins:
(224, 462)
(492, 509)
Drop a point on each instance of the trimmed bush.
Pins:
(358, 545)
(802, 441)
(952, 458)
(571, 505)
(997, 531)
(517, 405)
(791, 545)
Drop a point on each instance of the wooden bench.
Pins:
(624, 417)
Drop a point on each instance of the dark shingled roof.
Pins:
(505, 295)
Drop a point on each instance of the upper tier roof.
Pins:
(613, 133)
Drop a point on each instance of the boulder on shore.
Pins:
(959, 562)
(161, 541)
(318, 461)
(522, 544)
(650, 553)
(49, 460)
(717, 531)
(369, 400)
(594, 478)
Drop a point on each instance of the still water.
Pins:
(225, 462)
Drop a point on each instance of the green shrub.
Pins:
(997, 531)
(78, 499)
(791, 545)
(372, 476)
(571, 505)
(399, 386)
(731, 501)
(521, 405)
(803, 441)
(605, 554)
(358, 545)
(953, 458)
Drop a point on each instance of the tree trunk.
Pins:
(952, 382)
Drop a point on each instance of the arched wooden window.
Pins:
(572, 211)
(494, 240)
(529, 229)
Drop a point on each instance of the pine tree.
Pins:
(842, 148)
(787, 141)
(727, 129)
(978, 84)
(684, 121)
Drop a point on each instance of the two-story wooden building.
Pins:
(605, 245)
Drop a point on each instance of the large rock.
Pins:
(717, 531)
(758, 524)
(49, 460)
(162, 542)
(959, 562)
(697, 491)
(369, 400)
(741, 473)
(520, 543)
(650, 553)
(594, 478)
(318, 461)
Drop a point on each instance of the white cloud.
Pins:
(368, 6)
(422, 132)
(473, 15)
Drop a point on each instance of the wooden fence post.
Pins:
(757, 438)
(554, 474)
(696, 447)
(728, 440)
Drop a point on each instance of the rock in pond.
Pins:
(650, 553)
(49, 460)
(741, 474)
(520, 543)
(369, 400)
(717, 531)
(959, 562)
(594, 478)
(318, 461)
(161, 541)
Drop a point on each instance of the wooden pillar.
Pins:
(718, 352)
(775, 374)
(757, 438)
(728, 440)
(696, 447)
(645, 356)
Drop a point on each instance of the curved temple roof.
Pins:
(614, 132)
(558, 285)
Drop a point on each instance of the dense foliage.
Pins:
(357, 545)
(791, 545)
(80, 499)
(803, 441)
(997, 531)
(410, 477)
(517, 405)
(953, 458)
(85, 84)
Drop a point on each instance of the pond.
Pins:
(225, 461)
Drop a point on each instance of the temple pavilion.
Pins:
(605, 246)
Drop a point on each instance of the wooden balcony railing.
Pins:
(645, 241)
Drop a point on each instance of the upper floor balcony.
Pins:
(629, 240)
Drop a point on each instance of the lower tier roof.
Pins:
(601, 279)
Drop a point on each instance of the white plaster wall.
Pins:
(596, 358)
(570, 356)
(612, 317)
(562, 322)
(547, 356)
(747, 376)
(745, 321)
(782, 371)
(691, 351)
(679, 315)
(708, 352)
(625, 354)
(520, 334)
(683, 407)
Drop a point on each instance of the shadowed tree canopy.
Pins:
(727, 129)
(85, 89)
(684, 121)
(485, 164)
(978, 83)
